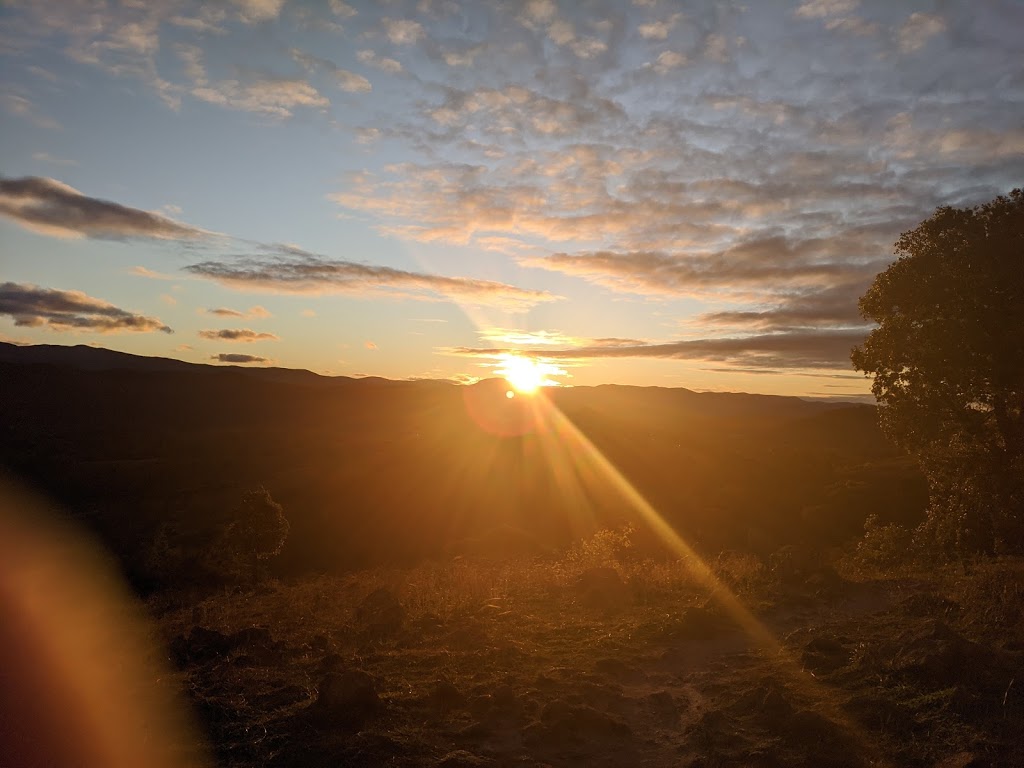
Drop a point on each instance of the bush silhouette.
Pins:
(256, 531)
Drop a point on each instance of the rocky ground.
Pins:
(473, 665)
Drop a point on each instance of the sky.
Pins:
(684, 194)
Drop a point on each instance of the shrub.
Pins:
(255, 532)
(884, 545)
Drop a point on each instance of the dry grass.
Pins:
(519, 626)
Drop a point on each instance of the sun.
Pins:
(525, 374)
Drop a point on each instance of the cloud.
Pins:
(243, 335)
(249, 314)
(668, 60)
(233, 357)
(45, 157)
(23, 107)
(817, 9)
(383, 63)
(271, 96)
(402, 31)
(151, 274)
(853, 25)
(797, 350)
(50, 207)
(32, 306)
(254, 11)
(716, 48)
(546, 339)
(370, 345)
(462, 58)
(299, 272)
(659, 30)
(342, 9)
(771, 264)
(367, 135)
(347, 81)
(832, 307)
(918, 29)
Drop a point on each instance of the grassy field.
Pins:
(600, 657)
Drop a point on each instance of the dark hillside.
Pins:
(370, 470)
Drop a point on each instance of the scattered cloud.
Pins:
(252, 313)
(462, 58)
(342, 9)
(243, 335)
(140, 271)
(383, 63)
(236, 358)
(817, 9)
(31, 306)
(50, 207)
(370, 345)
(309, 273)
(918, 30)
(25, 108)
(45, 157)
(254, 11)
(659, 30)
(347, 81)
(367, 135)
(668, 60)
(770, 265)
(799, 350)
(271, 96)
(402, 31)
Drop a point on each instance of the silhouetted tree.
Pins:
(948, 366)
(256, 532)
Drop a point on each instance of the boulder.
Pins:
(380, 614)
(602, 587)
(347, 699)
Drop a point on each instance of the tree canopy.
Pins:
(948, 363)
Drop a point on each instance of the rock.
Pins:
(445, 697)
(346, 698)
(766, 702)
(880, 713)
(506, 704)
(566, 724)
(934, 653)
(202, 644)
(380, 614)
(463, 759)
(793, 564)
(818, 734)
(928, 605)
(618, 669)
(663, 708)
(258, 646)
(280, 698)
(602, 588)
(824, 654)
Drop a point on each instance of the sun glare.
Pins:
(525, 374)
